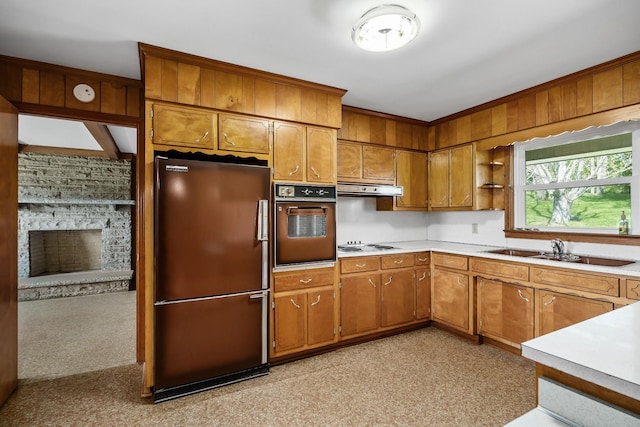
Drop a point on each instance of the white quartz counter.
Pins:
(603, 350)
(481, 251)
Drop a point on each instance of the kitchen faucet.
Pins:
(557, 246)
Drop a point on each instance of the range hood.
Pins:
(369, 190)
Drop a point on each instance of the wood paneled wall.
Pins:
(385, 129)
(192, 80)
(34, 85)
(606, 87)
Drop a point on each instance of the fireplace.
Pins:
(74, 226)
(64, 251)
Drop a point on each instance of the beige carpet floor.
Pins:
(65, 336)
(422, 378)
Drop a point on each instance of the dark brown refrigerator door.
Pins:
(207, 228)
(203, 339)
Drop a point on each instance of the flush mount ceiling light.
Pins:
(385, 27)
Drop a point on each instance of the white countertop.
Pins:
(481, 251)
(603, 350)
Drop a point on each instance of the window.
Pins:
(583, 182)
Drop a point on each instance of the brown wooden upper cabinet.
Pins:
(411, 174)
(304, 154)
(175, 125)
(242, 133)
(366, 163)
(451, 178)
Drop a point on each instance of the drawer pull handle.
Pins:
(315, 173)
(388, 282)
(522, 296)
(230, 141)
(202, 137)
(353, 172)
(295, 171)
(371, 283)
(294, 303)
(423, 259)
(316, 301)
(361, 265)
(305, 281)
(423, 276)
(460, 282)
(398, 261)
(550, 301)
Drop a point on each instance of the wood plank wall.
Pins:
(40, 87)
(606, 87)
(186, 79)
(385, 129)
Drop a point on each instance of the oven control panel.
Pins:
(304, 192)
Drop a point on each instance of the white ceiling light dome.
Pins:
(385, 27)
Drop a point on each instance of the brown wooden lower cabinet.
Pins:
(450, 299)
(555, 310)
(303, 319)
(303, 310)
(505, 311)
(423, 294)
(359, 304)
(398, 297)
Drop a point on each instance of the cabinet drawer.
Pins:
(451, 261)
(502, 269)
(301, 279)
(357, 264)
(422, 258)
(633, 289)
(397, 261)
(605, 285)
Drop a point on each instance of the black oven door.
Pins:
(305, 232)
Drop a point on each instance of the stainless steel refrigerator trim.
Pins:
(263, 236)
(257, 294)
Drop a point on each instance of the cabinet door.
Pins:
(439, 179)
(411, 174)
(461, 166)
(556, 311)
(379, 164)
(349, 160)
(288, 154)
(450, 298)
(423, 294)
(320, 326)
(505, 311)
(183, 126)
(289, 321)
(359, 304)
(398, 297)
(239, 133)
(321, 155)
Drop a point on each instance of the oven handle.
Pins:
(323, 208)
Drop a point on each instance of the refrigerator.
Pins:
(211, 275)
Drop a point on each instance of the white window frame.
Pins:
(519, 173)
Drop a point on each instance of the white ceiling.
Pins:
(468, 51)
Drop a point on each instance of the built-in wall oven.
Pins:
(305, 224)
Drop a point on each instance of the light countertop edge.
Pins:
(604, 350)
(481, 251)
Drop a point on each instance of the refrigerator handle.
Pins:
(263, 218)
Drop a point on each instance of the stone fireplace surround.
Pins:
(69, 193)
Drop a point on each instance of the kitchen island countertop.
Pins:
(603, 350)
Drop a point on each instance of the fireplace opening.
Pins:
(64, 251)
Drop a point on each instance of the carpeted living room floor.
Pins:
(426, 377)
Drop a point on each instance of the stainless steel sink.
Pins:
(608, 262)
(514, 252)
